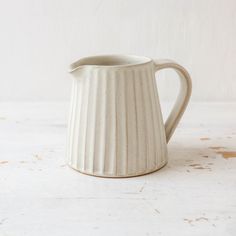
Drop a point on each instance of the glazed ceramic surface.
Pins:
(115, 123)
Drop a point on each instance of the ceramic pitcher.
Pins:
(115, 123)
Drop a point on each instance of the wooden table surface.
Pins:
(195, 194)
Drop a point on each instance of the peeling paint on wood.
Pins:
(228, 154)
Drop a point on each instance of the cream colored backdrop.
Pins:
(38, 39)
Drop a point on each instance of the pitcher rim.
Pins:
(126, 60)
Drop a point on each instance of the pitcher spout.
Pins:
(80, 64)
(85, 62)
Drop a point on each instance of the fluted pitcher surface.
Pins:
(115, 123)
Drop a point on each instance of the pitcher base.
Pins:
(120, 176)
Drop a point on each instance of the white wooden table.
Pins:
(195, 194)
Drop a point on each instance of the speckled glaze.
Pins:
(115, 124)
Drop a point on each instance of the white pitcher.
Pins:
(115, 123)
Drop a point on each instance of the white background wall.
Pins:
(39, 38)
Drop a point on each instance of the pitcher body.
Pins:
(115, 127)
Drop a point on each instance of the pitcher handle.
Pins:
(183, 97)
